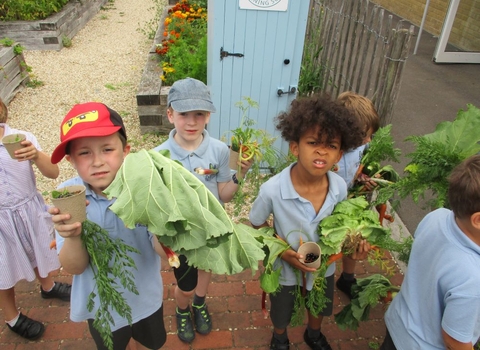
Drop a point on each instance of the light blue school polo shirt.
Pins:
(441, 288)
(349, 163)
(148, 279)
(294, 216)
(210, 154)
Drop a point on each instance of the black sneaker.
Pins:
(60, 291)
(203, 322)
(185, 330)
(276, 345)
(319, 344)
(346, 286)
(27, 328)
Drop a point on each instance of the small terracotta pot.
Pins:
(73, 204)
(310, 248)
(233, 160)
(12, 143)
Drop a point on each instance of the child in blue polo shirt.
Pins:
(189, 108)
(438, 306)
(318, 130)
(364, 110)
(94, 141)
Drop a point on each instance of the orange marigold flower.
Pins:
(165, 33)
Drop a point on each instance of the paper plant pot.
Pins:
(12, 143)
(73, 204)
(312, 254)
(233, 160)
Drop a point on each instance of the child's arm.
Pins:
(43, 162)
(73, 256)
(452, 344)
(226, 190)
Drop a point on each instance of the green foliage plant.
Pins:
(251, 142)
(29, 10)
(7, 42)
(66, 41)
(183, 50)
(435, 156)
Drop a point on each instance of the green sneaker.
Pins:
(203, 322)
(185, 326)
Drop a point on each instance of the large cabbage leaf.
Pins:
(153, 190)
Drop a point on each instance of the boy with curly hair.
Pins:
(318, 130)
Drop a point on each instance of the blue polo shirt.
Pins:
(349, 163)
(148, 279)
(441, 289)
(294, 217)
(210, 154)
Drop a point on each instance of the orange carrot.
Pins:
(53, 244)
(358, 172)
(382, 209)
(334, 257)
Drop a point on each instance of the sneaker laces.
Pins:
(203, 311)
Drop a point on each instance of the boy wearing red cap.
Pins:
(94, 141)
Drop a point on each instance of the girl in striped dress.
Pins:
(26, 229)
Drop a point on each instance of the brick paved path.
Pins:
(235, 305)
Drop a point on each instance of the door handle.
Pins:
(291, 90)
(224, 54)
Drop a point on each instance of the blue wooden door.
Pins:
(254, 53)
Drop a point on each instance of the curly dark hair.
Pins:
(320, 111)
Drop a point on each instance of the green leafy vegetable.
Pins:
(155, 191)
(436, 155)
(366, 294)
(109, 260)
(381, 148)
(350, 222)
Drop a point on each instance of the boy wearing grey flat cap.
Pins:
(189, 108)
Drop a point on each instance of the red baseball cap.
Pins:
(87, 120)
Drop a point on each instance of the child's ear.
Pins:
(69, 159)
(340, 155)
(207, 118)
(170, 114)
(126, 150)
(293, 148)
(475, 220)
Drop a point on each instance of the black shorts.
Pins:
(388, 343)
(186, 275)
(282, 303)
(150, 332)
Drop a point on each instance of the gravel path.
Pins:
(104, 64)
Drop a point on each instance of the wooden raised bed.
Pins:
(47, 34)
(13, 73)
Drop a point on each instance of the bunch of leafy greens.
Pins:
(273, 247)
(110, 261)
(153, 190)
(380, 149)
(436, 155)
(350, 222)
(367, 292)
